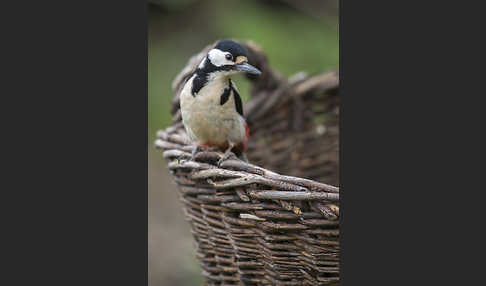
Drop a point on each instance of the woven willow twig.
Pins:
(253, 226)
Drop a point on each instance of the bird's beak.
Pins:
(242, 65)
(246, 67)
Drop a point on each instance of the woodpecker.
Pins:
(211, 107)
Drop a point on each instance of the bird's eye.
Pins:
(229, 57)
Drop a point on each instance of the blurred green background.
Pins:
(295, 35)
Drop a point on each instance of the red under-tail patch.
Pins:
(245, 142)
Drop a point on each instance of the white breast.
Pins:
(206, 120)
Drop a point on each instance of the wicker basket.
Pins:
(253, 226)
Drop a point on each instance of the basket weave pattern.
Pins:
(253, 226)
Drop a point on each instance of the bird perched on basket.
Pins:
(211, 108)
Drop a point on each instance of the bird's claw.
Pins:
(226, 156)
(197, 149)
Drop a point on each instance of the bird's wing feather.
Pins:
(225, 95)
(238, 101)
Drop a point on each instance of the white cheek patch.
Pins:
(218, 58)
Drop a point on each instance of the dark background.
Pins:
(296, 36)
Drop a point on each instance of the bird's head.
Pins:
(227, 58)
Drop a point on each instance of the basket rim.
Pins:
(237, 173)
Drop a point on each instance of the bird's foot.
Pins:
(200, 148)
(227, 155)
(197, 149)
